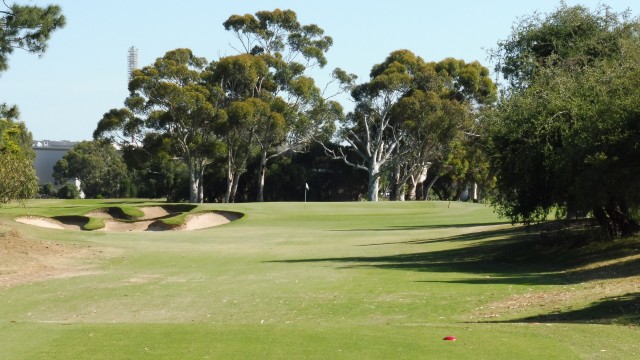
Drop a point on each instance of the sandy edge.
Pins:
(197, 221)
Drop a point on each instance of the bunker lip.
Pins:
(200, 220)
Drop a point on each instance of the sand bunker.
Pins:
(49, 223)
(149, 222)
(209, 219)
(153, 212)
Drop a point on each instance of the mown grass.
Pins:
(318, 281)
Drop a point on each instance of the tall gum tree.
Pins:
(28, 28)
(369, 130)
(300, 112)
(171, 99)
(239, 79)
(439, 112)
(408, 114)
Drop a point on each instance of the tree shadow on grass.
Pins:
(469, 237)
(512, 256)
(425, 227)
(621, 310)
(498, 257)
(506, 256)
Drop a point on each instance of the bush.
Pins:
(68, 191)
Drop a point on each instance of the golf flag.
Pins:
(306, 186)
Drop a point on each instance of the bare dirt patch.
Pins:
(23, 259)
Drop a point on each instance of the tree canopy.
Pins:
(170, 99)
(564, 138)
(409, 114)
(97, 165)
(27, 27)
(18, 179)
(281, 51)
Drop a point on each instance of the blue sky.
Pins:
(63, 94)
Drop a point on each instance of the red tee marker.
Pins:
(450, 338)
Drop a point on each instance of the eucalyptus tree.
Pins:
(240, 80)
(564, 137)
(99, 167)
(408, 114)
(170, 99)
(369, 129)
(299, 110)
(27, 27)
(440, 110)
(18, 179)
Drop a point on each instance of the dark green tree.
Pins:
(170, 99)
(27, 27)
(97, 165)
(564, 135)
(299, 111)
(18, 179)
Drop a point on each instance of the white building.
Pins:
(48, 152)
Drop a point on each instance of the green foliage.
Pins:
(410, 114)
(27, 27)
(68, 191)
(169, 101)
(18, 179)
(97, 165)
(278, 52)
(48, 190)
(570, 36)
(568, 140)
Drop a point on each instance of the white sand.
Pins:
(193, 222)
(40, 221)
(153, 212)
(119, 226)
(101, 214)
(206, 220)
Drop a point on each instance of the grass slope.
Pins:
(317, 281)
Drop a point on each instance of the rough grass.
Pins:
(318, 281)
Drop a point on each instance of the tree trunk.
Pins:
(429, 186)
(262, 172)
(201, 185)
(413, 185)
(227, 194)
(395, 185)
(234, 187)
(193, 186)
(374, 183)
(618, 214)
(616, 220)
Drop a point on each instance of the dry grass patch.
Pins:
(24, 259)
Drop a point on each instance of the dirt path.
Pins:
(23, 259)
